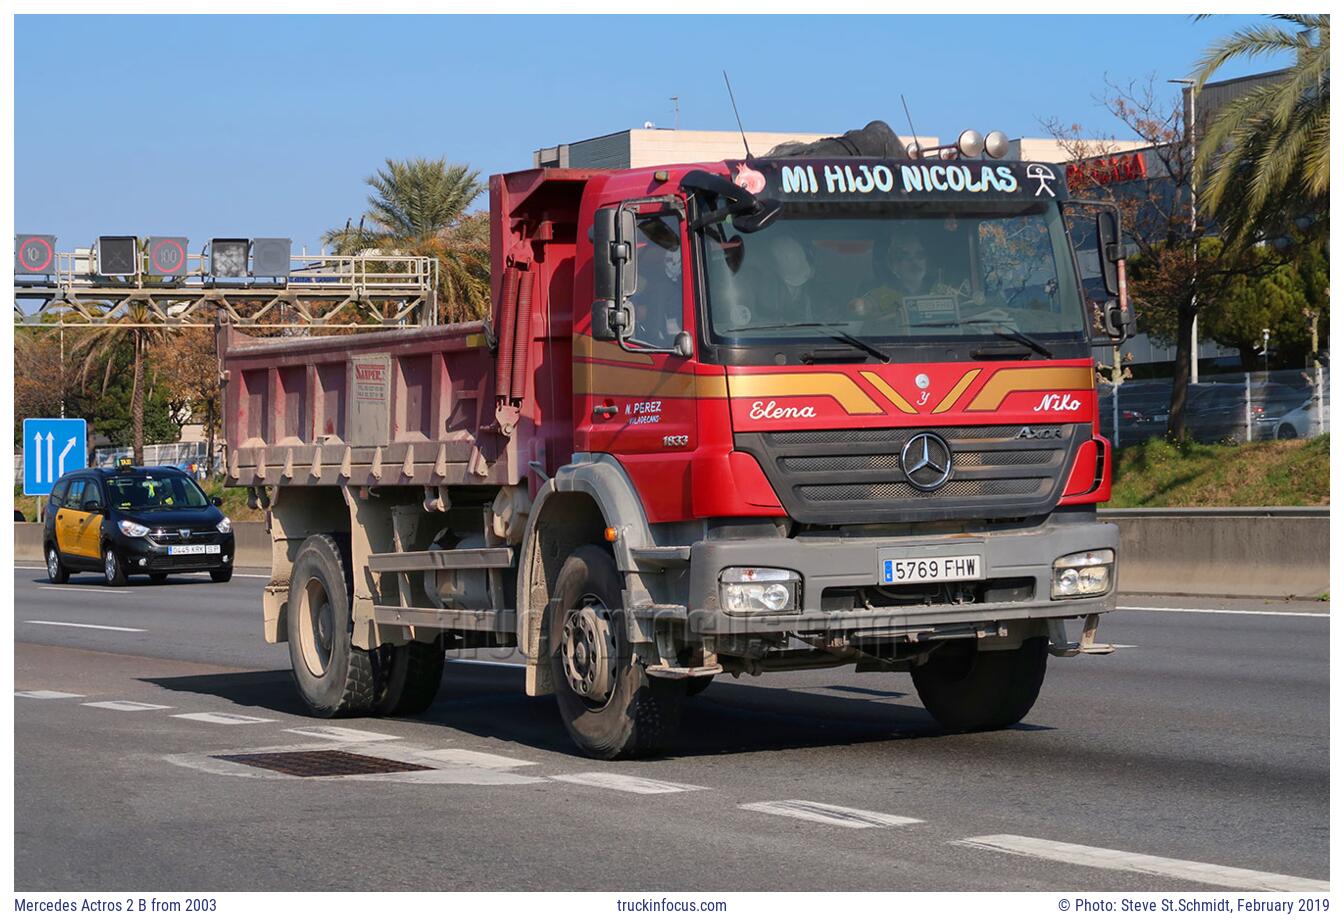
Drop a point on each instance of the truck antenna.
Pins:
(914, 137)
(737, 116)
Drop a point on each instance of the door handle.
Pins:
(603, 412)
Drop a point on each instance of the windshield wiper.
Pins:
(833, 331)
(1000, 330)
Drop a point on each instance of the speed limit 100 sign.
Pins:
(34, 254)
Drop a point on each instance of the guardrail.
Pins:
(1238, 552)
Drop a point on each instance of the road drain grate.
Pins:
(322, 763)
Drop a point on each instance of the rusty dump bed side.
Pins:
(400, 407)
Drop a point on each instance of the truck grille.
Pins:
(854, 477)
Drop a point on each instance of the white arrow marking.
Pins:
(37, 457)
(60, 461)
(50, 466)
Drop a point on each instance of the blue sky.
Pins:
(266, 126)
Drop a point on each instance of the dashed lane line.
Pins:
(837, 815)
(1247, 613)
(622, 782)
(1121, 861)
(83, 626)
(87, 590)
(464, 758)
(336, 733)
(221, 718)
(125, 705)
(47, 695)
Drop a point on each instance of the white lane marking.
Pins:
(83, 625)
(493, 664)
(830, 814)
(221, 718)
(125, 705)
(463, 758)
(624, 783)
(47, 694)
(1248, 613)
(335, 733)
(1120, 861)
(89, 589)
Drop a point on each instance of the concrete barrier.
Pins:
(1247, 552)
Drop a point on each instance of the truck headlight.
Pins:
(748, 589)
(224, 526)
(1083, 574)
(132, 529)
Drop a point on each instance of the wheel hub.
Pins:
(588, 649)
(110, 566)
(53, 564)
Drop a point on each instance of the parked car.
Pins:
(1302, 422)
(129, 520)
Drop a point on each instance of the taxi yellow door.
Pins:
(88, 535)
(69, 517)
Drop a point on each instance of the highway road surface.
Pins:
(1194, 758)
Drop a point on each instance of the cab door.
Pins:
(88, 537)
(69, 518)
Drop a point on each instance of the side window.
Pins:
(58, 491)
(657, 301)
(75, 497)
(94, 492)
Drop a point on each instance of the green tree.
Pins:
(418, 208)
(1264, 161)
(109, 408)
(100, 348)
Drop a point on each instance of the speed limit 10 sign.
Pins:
(34, 254)
(167, 255)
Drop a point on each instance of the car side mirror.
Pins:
(217, 501)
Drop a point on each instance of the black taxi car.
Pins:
(134, 520)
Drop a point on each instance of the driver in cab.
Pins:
(903, 273)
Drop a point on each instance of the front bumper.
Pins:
(840, 564)
(158, 558)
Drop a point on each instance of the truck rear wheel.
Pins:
(610, 707)
(333, 676)
(968, 690)
(411, 676)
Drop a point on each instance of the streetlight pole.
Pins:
(1194, 234)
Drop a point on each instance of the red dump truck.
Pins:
(734, 417)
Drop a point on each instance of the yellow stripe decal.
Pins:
(1016, 379)
(951, 397)
(886, 390)
(585, 346)
(839, 387)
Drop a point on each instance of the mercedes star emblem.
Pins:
(926, 461)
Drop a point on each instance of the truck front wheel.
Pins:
(610, 707)
(968, 690)
(333, 676)
(410, 677)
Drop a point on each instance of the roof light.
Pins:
(970, 143)
(996, 145)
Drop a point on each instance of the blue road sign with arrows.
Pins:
(52, 447)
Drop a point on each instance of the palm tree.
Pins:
(417, 208)
(99, 348)
(1265, 160)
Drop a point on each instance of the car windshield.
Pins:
(894, 278)
(154, 492)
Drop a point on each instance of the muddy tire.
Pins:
(411, 677)
(610, 707)
(969, 691)
(333, 677)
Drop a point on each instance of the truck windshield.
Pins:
(893, 278)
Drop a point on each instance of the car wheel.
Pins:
(158, 578)
(56, 571)
(221, 575)
(1286, 433)
(113, 572)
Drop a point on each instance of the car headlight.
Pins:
(224, 526)
(132, 529)
(748, 589)
(1083, 574)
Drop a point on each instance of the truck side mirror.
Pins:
(1109, 249)
(604, 274)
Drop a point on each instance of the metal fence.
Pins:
(182, 454)
(1221, 408)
